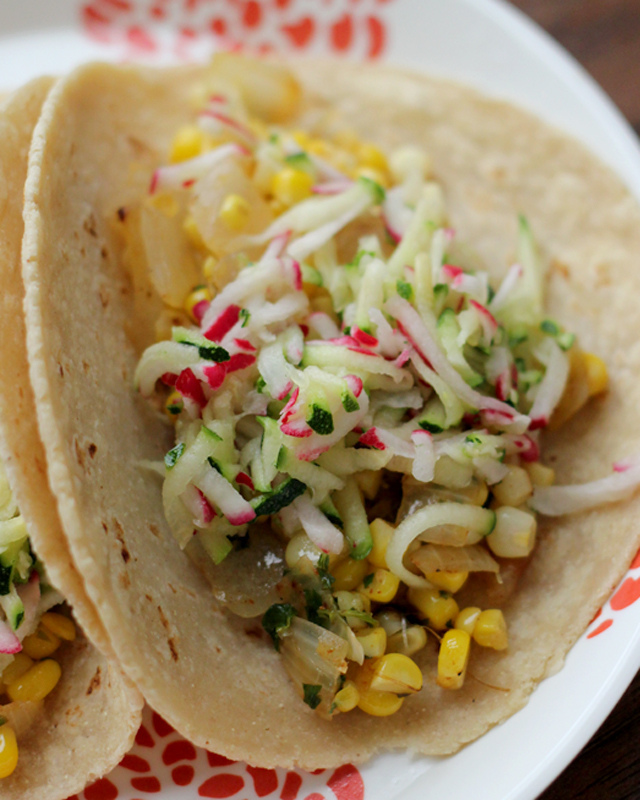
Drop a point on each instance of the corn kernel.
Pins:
(381, 534)
(291, 186)
(380, 586)
(235, 212)
(466, 619)
(379, 704)
(37, 683)
(539, 474)
(514, 489)
(597, 377)
(188, 143)
(491, 629)
(438, 608)
(373, 641)
(192, 232)
(173, 405)
(8, 751)
(453, 658)
(349, 574)
(301, 546)
(16, 669)
(371, 156)
(449, 581)
(514, 535)
(40, 644)
(396, 673)
(163, 202)
(347, 698)
(59, 625)
(408, 641)
(197, 303)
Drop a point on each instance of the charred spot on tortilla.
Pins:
(95, 681)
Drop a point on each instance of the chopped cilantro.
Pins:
(245, 316)
(325, 576)
(312, 694)
(404, 289)
(173, 455)
(550, 327)
(260, 384)
(213, 353)
(368, 580)
(276, 619)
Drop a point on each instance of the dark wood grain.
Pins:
(604, 35)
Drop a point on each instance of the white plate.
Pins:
(485, 43)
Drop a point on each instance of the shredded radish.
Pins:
(322, 533)
(553, 501)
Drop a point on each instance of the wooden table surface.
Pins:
(604, 35)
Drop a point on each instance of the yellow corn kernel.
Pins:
(374, 175)
(371, 156)
(291, 186)
(438, 608)
(597, 377)
(192, 232)
(235, 212)
(514, 489)
(408, 641)
(453, 658)
(347, 698)
(539, 474)
(381, 534)
(40, 644)
(8, 751)
(466, 619)
(379, 704)
(349, 574)
(396, 673)
(37, 683)
(490, 629)
(373, 641)
(449, 581)
(209, 268)
(16, 669)
(59, 625)
(173, 405)
(188, 143)
(380, 586)
(192, 305)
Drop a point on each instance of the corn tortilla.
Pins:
(90, 719)
(103, 131)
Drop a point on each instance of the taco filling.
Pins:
(357, 409)
(30, 631)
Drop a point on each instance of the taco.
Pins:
(282, 424)
(68, 716)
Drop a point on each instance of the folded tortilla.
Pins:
(89, 721)
(103, 131)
